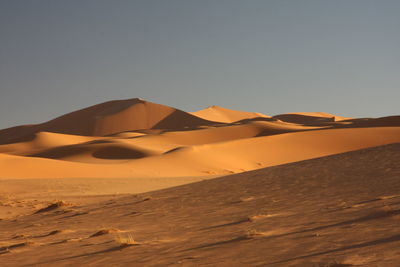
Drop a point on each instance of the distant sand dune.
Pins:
(220, 114)
(109, 118)
(309, 117)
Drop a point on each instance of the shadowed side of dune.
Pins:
(90, 151)
(117, 152)
(60, 152)
(23, 133)
(376, 122)
(303, 119)
(389, 121)
(330, 120)
(180, 120)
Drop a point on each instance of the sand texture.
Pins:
(340, 210)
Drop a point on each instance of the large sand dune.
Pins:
(110, 118)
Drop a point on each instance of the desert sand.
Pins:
(131, 182)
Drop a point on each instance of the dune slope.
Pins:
(340, 210)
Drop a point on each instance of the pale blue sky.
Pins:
(340, 56)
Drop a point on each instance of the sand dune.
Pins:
(220, 114)
(309, 117)
(109, 118)
(375, 122)
(137, 138)
(122, 115)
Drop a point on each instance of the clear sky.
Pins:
(276, 56)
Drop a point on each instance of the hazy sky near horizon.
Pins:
(277, 56)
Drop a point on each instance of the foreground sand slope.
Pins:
(341, 210)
